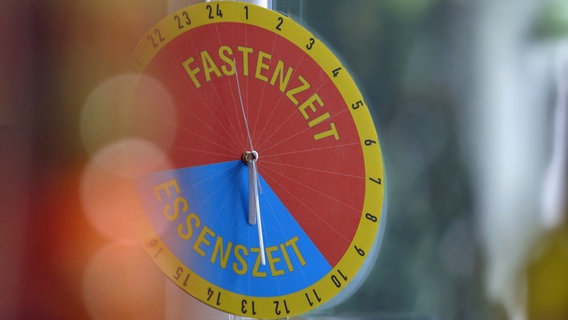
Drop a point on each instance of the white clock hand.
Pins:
(250, 158)
(254, 207)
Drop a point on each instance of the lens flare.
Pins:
(128, 106)
(108, 190)
(121, 282)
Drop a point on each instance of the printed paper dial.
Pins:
(243, 77)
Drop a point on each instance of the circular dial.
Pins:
(274, 195)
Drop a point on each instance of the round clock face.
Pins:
(280, 232)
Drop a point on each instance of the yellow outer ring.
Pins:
(268, 307)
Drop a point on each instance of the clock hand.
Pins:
(251, 161)
(250, 158)
(243, 107)
(254, 209)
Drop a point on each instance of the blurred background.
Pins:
(470, 101)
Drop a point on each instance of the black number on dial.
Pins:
(360, 251)
(310, 44)
(357, 104)
(211, 294)
(371, 217)
(335, 72)
(370, 142)
(338, 279)
(377, 180)
(280, 307)
(179, 274)
(248, 306)
(218, 12)
(182, 20)
(313, 298)
(155, 38)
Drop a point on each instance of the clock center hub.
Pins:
(250, 156)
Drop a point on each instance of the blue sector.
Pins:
(201, 213)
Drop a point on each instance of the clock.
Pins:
(273, 198)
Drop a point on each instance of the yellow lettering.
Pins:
(294, 91)
(202, 238)
(255, 272)
(286, 257)
(292, 243)
(209, 66)
(166, 187)
(240, 251)
(245, 51)
(328, 133)
(179, 204)
(218, 249)
(279, 73)
(310, 104)
(319, 119)
(261, 65)
(188, 233)
(192, 72)
(224, 52)
(273, 260)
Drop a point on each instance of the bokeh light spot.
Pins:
(121, 282)
(128, 105)
(108, 190)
